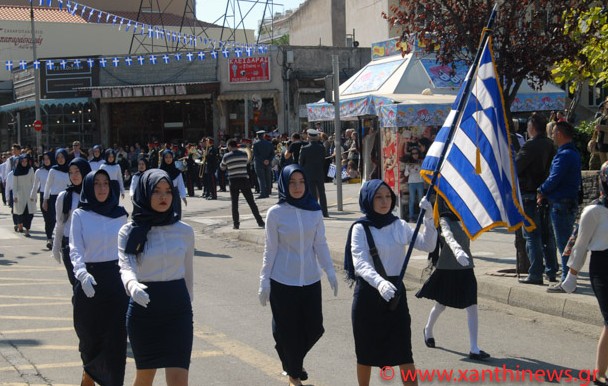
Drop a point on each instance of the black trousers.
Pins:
(317, 188)
(242, 185)
(48, 229)
(209, 184)
(25, 218)
(51, 213)
(67, 262)
(297, 322)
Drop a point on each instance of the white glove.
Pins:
(264, 294)
(333, 282)
(138, 293)
(569, 284)
(56, 251)
(462, 257)
(87, 281)
(387, 290)
(426, 205)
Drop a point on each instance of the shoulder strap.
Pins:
(374, 252)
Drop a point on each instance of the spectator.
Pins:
(562, 189)
(533, 162)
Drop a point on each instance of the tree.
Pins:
(528, 34)
(589, 64)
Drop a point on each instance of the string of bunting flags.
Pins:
(216, 48)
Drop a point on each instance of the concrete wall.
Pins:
(365, 18)
(56, 40)
(318, 22)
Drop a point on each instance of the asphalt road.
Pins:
(233, 342)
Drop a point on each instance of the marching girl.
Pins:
(592, 230)
(23, 182)
(67, 201)
(382, 336)
(453, 283)
(291, 277)
(168, 165)
(142, 166)
(114, 170)
(97, 159)
(40, 177)
(100, 302)
(56, 182)
(156, 253)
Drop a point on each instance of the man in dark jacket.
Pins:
(533, 162)
(561, 189)
(263, 153)
(312, 160)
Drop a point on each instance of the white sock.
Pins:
(433, 316)
(473, 322)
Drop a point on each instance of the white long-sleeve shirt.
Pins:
(296, 248)
(115, 173)
(56, 182)
(8, 184)
(95, 165)
(62, 226)
(390, 241)
(592, 235)
(134, 181)
(40, 178)
(168, 255)
(93, 238)
(178, 182)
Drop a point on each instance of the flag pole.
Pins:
(467, 85)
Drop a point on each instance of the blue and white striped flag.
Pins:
(477, 177)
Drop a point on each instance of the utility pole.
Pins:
(36, 77)
(338, 134)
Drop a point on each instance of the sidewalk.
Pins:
(493, 252)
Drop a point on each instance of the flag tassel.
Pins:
(478, 161)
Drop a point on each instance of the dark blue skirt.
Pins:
(382, 337)
(161, 334)
(100, 325)
(598, 274)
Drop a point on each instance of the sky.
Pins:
(212, 11)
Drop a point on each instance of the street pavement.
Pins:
(38, 345)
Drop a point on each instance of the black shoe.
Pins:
(262, 224)
(49, 244)
(599, 382)
(482, 355)
(552, 280)
(260, 196)
(430, 342)
(235, 226)
(303, 375)
(528, 280)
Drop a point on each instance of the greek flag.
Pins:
(477, 177)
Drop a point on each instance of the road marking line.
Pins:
(257, 359)
(34, 304)
(37, 330)
(268, 365)
(20, 279)
(38, 283)
(23, 317)
(33, 297)
(61, 365)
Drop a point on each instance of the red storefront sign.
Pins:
(250, 69)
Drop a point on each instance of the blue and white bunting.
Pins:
(201, 55)
(166, 58)
(9, 65)
(23, 64)
(103, 62)
(129, 61)
(115, 62)
(141, 60)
